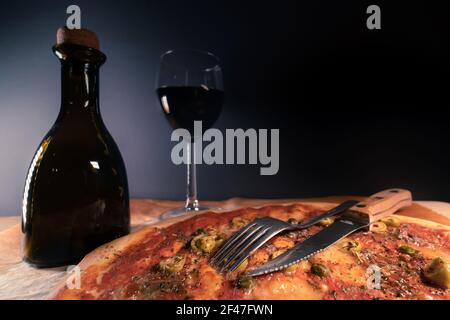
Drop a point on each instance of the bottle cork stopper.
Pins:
(81, 37)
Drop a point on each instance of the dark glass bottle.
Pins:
(76, 191)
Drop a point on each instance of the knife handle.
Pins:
(383, 204)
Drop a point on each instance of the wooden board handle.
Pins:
(383, 204)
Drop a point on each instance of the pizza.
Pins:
(400, 258)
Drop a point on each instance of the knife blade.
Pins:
(314, 244)
(358, 217)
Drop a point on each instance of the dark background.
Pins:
(358, 110)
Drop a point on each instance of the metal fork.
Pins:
(247, 240)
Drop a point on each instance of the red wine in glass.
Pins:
(184, 105)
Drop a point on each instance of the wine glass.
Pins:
(190, 88)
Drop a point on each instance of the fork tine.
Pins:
(253, 247)
(237, 246)
(217, 256)
(242, 247)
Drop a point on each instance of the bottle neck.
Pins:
(80, 86)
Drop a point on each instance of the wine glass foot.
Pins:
(177, 212)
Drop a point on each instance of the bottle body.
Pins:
(76, 192)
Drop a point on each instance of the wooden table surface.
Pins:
(20, 281)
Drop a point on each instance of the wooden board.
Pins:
(20, 281)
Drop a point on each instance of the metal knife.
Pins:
(361, 215)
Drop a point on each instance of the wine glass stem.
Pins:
(191, 198)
